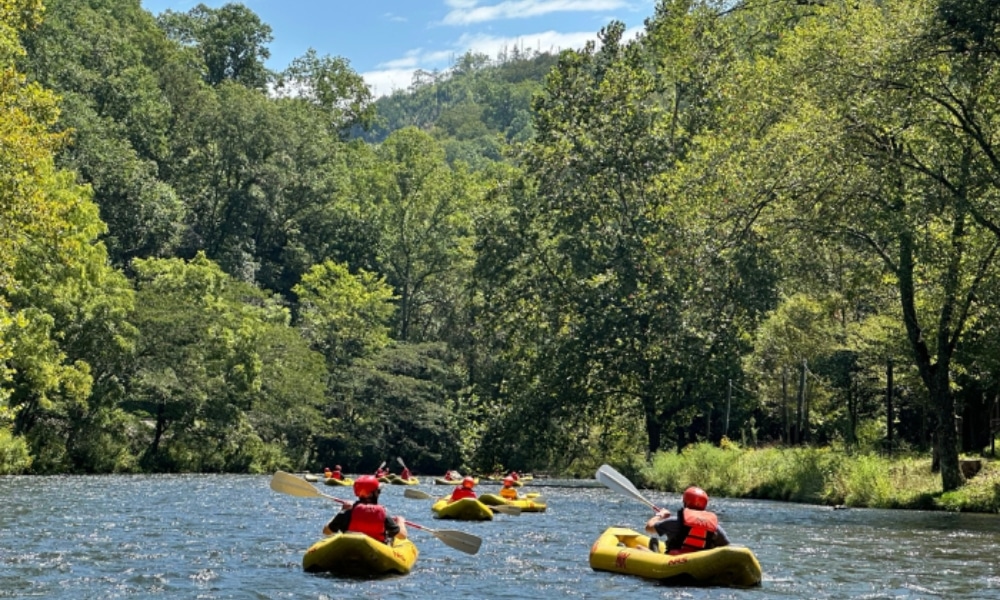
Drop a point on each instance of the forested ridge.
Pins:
(772, 222)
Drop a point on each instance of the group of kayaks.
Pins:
(617, 550)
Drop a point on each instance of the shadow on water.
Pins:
(231, 536)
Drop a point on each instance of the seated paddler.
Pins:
(367, 516)
(693, 528)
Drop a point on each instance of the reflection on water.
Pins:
(231, 536)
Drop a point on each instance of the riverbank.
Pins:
(820, 476)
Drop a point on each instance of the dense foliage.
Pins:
(776, 222)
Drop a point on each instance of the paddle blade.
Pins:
(459, 540)
(614, 480)
(286, 483)
(399, 459)
(503, 509)
(416, 494)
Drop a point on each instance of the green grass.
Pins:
(819, 476)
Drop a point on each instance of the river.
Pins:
(231, 536)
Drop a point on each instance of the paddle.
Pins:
(619, 483)
(286, 483)
(416, 494)
(380, 467)
(399, 459)
(459, 540)
(413, 494)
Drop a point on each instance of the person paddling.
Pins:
(691, 530)
(508, 490)
(405, 474)
(367, 516)
(464, 490)
(337, 473)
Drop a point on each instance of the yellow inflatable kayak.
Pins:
(397, 480)
(335, 482)
(443, 481)
(621, 550)
(466, 509)
(359, 555)
(525, 503)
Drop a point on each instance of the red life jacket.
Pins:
(700, 524)
(406, 474)
(368, 519)
(461, 492)
(336, 475)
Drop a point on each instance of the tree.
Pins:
(870, 139)
(618, 306)
(198, 363)
(231, 40)
(103, 58)
(422, 210)
(344, 316)
(331, 84)
(62, 309)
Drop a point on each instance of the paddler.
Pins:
(464, 490)
(508, 490)
(691, 530)
(367, 515)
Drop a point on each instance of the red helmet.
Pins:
(508, 480)
(365, 485)
(468, 482)
(696, 498)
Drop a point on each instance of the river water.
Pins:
(231, 536)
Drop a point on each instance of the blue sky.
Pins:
(387, 40)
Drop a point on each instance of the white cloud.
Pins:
(466, 12)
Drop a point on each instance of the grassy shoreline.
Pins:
(819, 476)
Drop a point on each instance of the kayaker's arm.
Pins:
(402, 535)
(721, 539)
(659, 516)
(339, 523)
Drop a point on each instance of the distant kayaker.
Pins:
(508, 490)
(327, 472)
(405, 474)
(464, 490)
(692, 529)
(366, 515)
(337, 473)
(513, 475)
(452, 475)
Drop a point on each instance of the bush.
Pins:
(15, 458)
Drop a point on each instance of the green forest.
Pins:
(763, 223)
